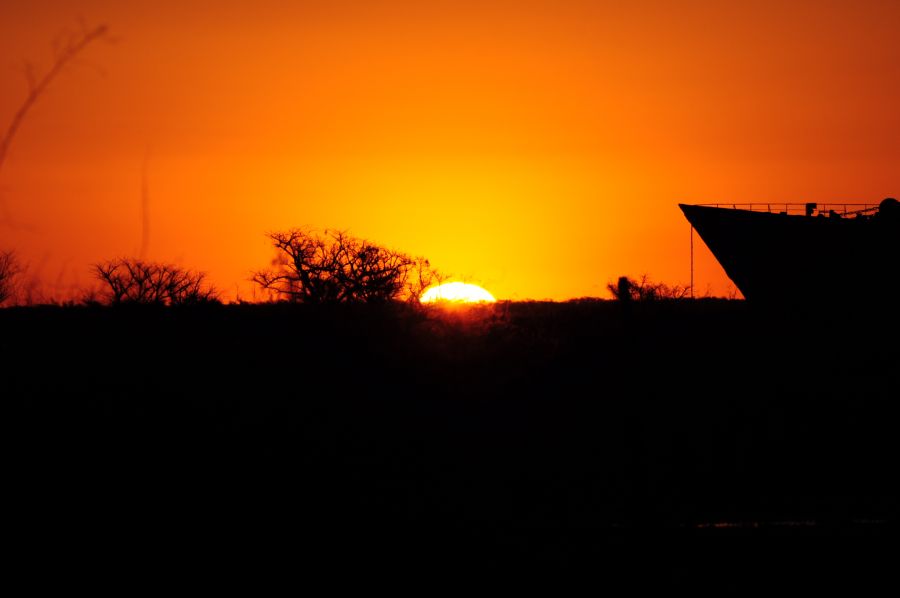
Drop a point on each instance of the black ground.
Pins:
(570, 437)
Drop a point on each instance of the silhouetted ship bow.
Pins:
(778, 253)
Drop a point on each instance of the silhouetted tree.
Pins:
(9, 270)
(628, 289)
(150, 283)
(334, 267)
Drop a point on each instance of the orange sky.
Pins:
(537, 148)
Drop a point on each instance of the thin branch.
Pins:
(65, 53)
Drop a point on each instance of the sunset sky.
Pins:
(538, 148)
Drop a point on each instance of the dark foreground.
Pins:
(678, 444)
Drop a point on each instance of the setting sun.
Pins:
(457, 292)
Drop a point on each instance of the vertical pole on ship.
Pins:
(692, 261)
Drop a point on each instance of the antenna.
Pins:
(692, 261)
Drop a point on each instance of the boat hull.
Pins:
(779, 258)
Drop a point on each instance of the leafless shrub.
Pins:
(334, 267)
(150, 283)
(10, 268)
(628, 289)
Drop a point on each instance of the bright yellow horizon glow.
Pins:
(457, 292)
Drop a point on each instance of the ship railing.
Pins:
(843, 210)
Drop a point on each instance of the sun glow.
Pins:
(457, 292)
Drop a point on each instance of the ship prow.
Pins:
(793, 253)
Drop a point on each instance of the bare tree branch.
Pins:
(65, 51)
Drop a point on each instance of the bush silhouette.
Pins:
(629, 289)
(9, 269)
(150, 283)
(334, 267)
